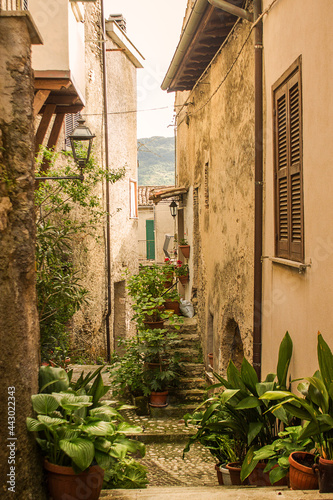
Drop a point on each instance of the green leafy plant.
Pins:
(183, 241)
(60, 291)
(239, 412)
(316, 405)
(75, 428)
(181, 269)
(277, 453)
(127, 474)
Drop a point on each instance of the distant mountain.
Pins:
(156, 157)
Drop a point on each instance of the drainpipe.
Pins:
(107, 188)
(258, 191)
(232, 9)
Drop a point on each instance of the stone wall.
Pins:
(19, 329)
(215, 160)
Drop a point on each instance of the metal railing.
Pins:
(14, 5)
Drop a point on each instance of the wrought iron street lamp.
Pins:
(81, 140)
(173, 208)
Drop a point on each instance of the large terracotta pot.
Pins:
(302, 477)
(325, 475)
(260, 478)
(158, 399)
(234, 469)
(210, 359)
(63, 483)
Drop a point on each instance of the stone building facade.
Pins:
(104, 87)
(215, 162)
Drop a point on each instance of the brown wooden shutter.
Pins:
(288, 168)
(295, 169)
(282, 219)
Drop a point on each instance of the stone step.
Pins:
(188, 327)
(194, 370)
(173, 410)
(186, 395)
(189, 341)
(188, 354)
(192, 383)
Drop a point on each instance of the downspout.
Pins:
(258, 191)
(107, 187)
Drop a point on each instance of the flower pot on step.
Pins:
(62, 482)
(152, 325)
(172, 305)
(158, 399)
(183, 279)
(301, 475)
(324, 472)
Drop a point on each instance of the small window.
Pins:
(133, 199)
(287, 115)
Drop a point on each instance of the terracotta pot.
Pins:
(234, 469)
(219, 474)
(185, 249)
(158, 399)
(225, 475)
(183, 279)
(210, 359)
(324, 472)
(63, 483)
(172, 305)
(167, 284)
(302, 477)
(152, 325)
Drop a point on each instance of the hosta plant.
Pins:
(77, 429)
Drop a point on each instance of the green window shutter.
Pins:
(150, 239)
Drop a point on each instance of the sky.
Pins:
(154, 28)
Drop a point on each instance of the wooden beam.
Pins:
(51, 84)
(69, 109)
(53, 139)
(39, 100)
(63, 99)
(44, 125)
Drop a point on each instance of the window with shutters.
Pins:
(287, 115)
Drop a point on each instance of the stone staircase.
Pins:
(192, 387)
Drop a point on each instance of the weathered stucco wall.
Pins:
(215, 159)
(19, 329)
(301, 303)
(89, 323)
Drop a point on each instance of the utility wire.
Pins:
(229, 69)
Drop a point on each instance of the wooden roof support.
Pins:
(39, 100)
(51, 83)
(44, 125)
(53, 139)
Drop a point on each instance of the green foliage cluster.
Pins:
(75, 427)
(131, 371)
(60, 292)
(156, 157)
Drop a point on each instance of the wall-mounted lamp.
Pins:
(81, 142)
(173, 208)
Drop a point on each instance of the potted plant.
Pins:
(172, 301)
(161, 361)
(277, 455)
(182, 272)
(147, 289)
(168, 272)
(78, 434)
(127, 374)
(316, 409)
(184, 247)
(239, 411)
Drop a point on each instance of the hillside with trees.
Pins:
(156, 156)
